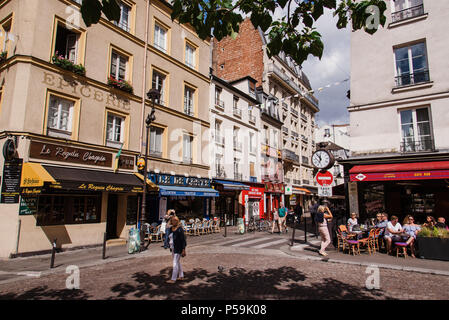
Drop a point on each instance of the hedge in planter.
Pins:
(433, 244)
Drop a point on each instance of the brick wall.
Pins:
(237, 58)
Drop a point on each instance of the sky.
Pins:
(333, 67)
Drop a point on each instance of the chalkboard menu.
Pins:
(12, 171)
(28, 205)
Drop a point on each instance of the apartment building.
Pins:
(288, 111)
(72, 110)
(398, 114)
(234, 154)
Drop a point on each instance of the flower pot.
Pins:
(433, 248)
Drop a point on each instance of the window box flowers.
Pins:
(68, 65)
(120, 84)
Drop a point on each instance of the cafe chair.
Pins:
(156, 234)
(347, 241)
(368, 242)
(402, 245)
(377, 243)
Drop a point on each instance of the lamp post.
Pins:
(153, 95)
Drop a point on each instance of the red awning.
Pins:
(401, 171)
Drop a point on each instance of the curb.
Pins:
(286, 249)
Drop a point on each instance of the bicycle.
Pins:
(263, 225)
(251, 225)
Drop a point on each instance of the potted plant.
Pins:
(433, 243)
(68, 65)
(120, 84)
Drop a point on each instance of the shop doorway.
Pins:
(111, 223)
(253, 209)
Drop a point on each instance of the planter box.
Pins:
(433, 248)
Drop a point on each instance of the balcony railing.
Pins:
(238, 176)
(304, 138)
(294, 112)
(412, 78)
(237, 112)
(284, 130)
(220, 171)
(219, 103)
(305, 181)
(252, 118)
(154, 153)
(425, 144)
(290, 156)
(284, 106)
(295, 181)
(408, 13)
(303, 117)
(187, 160)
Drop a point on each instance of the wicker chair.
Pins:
(402, 245)
(348, 241)
(368, 242)
(156, 234)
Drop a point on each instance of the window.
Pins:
(237, 174)
(68, 209)
(118, 66)
(405, 9)
(187, 148)
(218, 137)
(188, 100)
(156, 135)
(123, 23)
(266, 135)
(327, 132)
(275, 139)
(190, 56)
(416, 130)
(132, 209)
(159, 84)
(60, 117)
(160, 37)
(411, 64)
(5, 35)
(252, 145)
(218, 101)
(237, 143)
(67, 44)
(219, 169)
(115, 130)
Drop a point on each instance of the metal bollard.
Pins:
(53, 252)
(226, 223)
(305, 229)
(104, 245)
(295, 224)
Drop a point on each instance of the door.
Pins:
(111, 224)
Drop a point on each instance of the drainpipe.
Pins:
(144, 78)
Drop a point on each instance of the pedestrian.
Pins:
(321, 221)
(312, 210)
(282, 216)
(177, 242)
(298, 213)
(166, 225)
(275, 221)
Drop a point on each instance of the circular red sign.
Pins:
(324, 178)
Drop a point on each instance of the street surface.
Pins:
(251, 266)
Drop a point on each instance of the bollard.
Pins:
(226, 223)
(293, 233)
(53, 251)
(104, 245)
(305, 229)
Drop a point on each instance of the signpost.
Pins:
(324, 180)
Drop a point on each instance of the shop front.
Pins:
(274, 197)
(76, 205)
(190, 197)
(229, 202)
(296, 197)
(416, 188)
(253, 202)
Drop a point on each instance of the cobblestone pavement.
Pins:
(229, 272)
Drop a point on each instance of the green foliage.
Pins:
(68, 65)
(293, 34)
(3, 56)
(121, 85)
(434, 233)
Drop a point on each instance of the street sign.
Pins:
(288, 190)
(325, 191)
(324, 178)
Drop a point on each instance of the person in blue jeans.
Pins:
(167, 218)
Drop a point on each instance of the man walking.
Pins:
(282, 217)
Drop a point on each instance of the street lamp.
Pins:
(153, 95)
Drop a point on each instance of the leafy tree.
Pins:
(293, 34)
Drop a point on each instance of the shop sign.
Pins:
(172, 180)
(406, 175)
(292, 200)
(288, 190)
(256, 192)
(28, 206)
(126, 162)
(46, 151)
(96, 187)
(12, 171)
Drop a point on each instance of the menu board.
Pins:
(12, 171)
(28, 206)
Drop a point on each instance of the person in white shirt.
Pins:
(392, 232)
(352, 221)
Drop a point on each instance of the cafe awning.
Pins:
(230, 185)
(187, 192)
(34, 176)
(297, 190)
(151, 185)
(92, 180)
(401, 171)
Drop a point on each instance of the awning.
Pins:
(187, 192)
(401, 171)
(230, 185)
(297, 190)
(34, 176)
(93, 180)
(151, 185)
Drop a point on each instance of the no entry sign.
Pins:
(324, 178)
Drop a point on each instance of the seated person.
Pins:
(430, 222)
(393, 232)
(441, 223)
(352, 221)
(412, 230)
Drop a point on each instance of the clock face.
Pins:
(321, 159)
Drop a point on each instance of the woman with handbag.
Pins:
(177, 241)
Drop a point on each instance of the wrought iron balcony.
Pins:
(296, 181)
(412, 78)
(426, 144)
(304, 138)
(305, 181)
(408, 13)
(294, 112)
(238, 176)
(220, 171)
(290, 156)
(303, 117)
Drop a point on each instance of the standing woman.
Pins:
(321, 217)
(177, 241)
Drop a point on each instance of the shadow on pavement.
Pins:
(44, 293)
(281, 283)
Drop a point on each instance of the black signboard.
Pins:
(28, 205)
(12, 171)
(174, 180)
